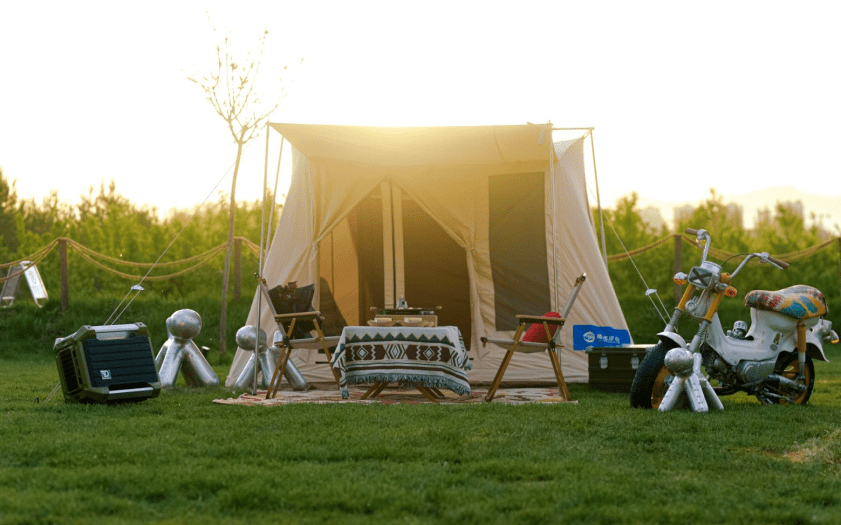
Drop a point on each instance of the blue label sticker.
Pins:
(590, 336)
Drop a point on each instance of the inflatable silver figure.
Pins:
(247, 340)
(688, 385)
(179, 352)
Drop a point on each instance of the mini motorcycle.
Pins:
(772, 360)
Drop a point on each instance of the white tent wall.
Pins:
(445, 171)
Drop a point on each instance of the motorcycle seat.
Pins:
(799, 301)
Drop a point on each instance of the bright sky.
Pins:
(683, 96)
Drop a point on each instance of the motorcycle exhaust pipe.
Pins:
(776, 381)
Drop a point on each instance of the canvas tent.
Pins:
(485, 221)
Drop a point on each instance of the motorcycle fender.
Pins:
(814, 346)
(671, 340)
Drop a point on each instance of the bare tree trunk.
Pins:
(223, 316)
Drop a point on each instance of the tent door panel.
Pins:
(435, 269)
(369, 243)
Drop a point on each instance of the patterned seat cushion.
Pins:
(800, 301)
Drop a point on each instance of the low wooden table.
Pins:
(428, 359)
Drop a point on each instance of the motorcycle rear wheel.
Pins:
(649, 384)
(789, 368)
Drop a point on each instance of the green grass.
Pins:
(182, 459)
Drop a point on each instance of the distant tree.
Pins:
(626, 230)
(722, 221)
(786, 233)
(231, 89)
(8, 205)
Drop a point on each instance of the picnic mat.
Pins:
(391, 395)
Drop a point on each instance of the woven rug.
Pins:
(509, 396)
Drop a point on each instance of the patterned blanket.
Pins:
(430, 357)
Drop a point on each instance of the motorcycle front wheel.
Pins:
(789, 367)
(649, 385)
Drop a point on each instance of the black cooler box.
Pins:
(105, 364)
(613, 368)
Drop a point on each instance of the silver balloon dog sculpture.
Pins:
(247, 340)
(180, 352)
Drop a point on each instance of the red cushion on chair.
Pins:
(537, 334)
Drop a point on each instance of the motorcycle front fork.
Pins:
(801, 349)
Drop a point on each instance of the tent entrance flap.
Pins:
(517, 243)
(351, 266)
(353, 259)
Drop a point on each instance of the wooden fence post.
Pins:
(237, 268)
(678, 265)
(65, 275)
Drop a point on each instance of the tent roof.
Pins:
(418, 146)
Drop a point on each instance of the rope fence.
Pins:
(99, 260)
(723, 254)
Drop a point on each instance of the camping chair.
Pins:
(551, 345)
(288, 323)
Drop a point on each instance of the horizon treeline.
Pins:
(110, 224)
(780, 232)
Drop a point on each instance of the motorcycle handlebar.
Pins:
(781, 264)
(691, 231)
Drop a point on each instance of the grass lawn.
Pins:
(182, 459)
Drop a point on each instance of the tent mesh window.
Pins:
(517, 242)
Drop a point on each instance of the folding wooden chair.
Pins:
(286, 322)
(551, 345)
(286, 345)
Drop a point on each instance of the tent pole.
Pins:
(389, 300)
(598, 196)
(260, 264)
(274, 195)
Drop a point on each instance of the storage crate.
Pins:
(106, 364)
(613, 368)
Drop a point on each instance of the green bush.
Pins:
(40, 327)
